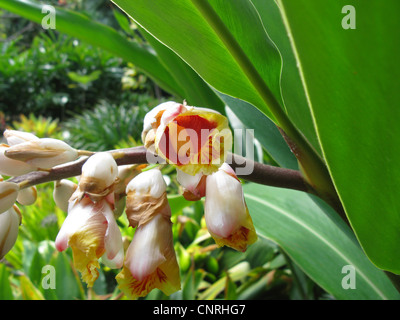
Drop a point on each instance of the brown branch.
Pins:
(261, 173)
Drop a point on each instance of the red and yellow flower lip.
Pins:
(193, 139)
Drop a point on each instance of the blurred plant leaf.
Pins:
(84, 79)
(5, 288)
(265, 131)
(28, 290)
(80, 26)
(236, 273)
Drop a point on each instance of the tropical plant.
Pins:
(320, 97)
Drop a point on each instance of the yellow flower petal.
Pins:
(150, 261)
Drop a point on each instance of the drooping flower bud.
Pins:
(146, 197)
(150, 260)
(91, 231)
(27, 196)
(42, 153)
(9, 225)
(225, 210)
(63, 190)
(98, 176)
(16, 137)
(8, 195)
(193, 139)
(194, 186)
(10, 167)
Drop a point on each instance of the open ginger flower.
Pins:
(91, 231)
(150, 260)
(90, 228)
(225, 210)
(191, 138)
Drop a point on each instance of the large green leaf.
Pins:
(5, 289)
(196, 91)
(265, 131)
(292, 87)
(80, 26)
(235, 57)
(320, 243)
(351, 76)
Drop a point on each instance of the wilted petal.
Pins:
(16, 137)
(146, 197)
(195, 140)
(226, 214)
(42, 153)
(194, 186)
(9, 225)
(10, 167)
(8, 195)
(150, 261)
(112, 238)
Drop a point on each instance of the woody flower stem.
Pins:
(261, 174)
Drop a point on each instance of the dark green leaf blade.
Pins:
(317, 240)
(351, 80)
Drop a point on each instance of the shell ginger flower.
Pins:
(191, 138)
(225, 210)
(91, 231)
(90, 228)
(150, 260)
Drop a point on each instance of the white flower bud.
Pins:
(8, 195)
(150, 183)
(225, 211)
(16, 137)
(62, 192)
(42, 153)
(27, 196)
(9, 224)
(98, 174)
(10, 167)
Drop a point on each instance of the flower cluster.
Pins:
(194, 140)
